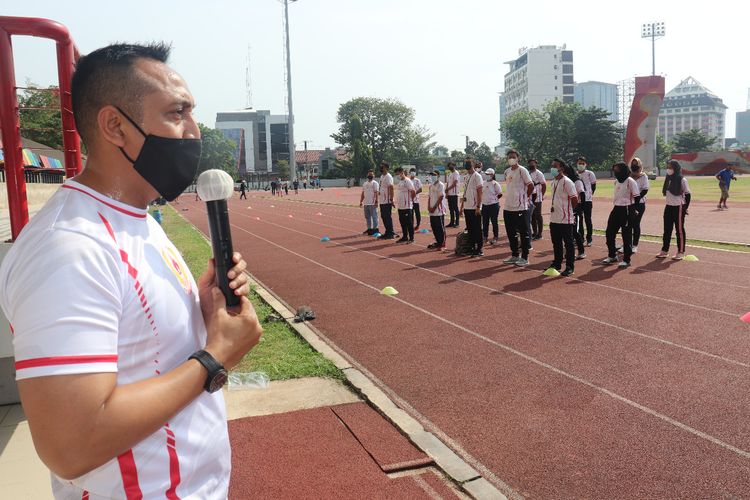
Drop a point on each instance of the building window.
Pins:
(567, 79)
(567, 56)
(568, 99)
(567, 69)
(568, 89)
(555, 66)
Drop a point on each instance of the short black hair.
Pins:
(581, 158)
(528, 162)
(512, 151)
(398, 170)
(384, 164)
(559, 162)
(106, 76)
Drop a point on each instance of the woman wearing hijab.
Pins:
(492, 191)
(620, 219)
(636, 169)
(677, 192)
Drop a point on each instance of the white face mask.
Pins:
(670, 171)
(489, 177)
(581, 168)
(433, 178)
(512, 162)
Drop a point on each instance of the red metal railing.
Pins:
(67, 54)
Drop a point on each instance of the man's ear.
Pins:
(109, 123)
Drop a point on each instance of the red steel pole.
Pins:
(11, 133)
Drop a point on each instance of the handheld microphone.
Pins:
(215, 187)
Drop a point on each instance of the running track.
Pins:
(612, 384)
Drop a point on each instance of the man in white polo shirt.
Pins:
(453, 184)
(537, 197)
(385, 199)
(415, 205)
(118, 351)
(589, 185)
(404, 198)
(369, 199)
(519, 187)
(562, 218)
(471, 204)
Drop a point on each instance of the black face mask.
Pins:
(369, 177)
(168, 164)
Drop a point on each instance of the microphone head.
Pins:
(215, 185)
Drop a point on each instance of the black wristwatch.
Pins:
(217, 375)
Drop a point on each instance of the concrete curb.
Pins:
(465, 476)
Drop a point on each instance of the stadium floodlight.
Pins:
(653, 31)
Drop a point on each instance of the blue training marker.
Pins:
(325, 238)
(424, 231)
(376, 235)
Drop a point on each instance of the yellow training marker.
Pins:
(389, 290)
(690, 258)
(552, 272)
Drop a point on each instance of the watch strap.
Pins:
(210, 364)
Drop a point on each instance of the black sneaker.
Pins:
(368, 232)
(568, 272)
(432, 246)
(401, 240)
(477, 254)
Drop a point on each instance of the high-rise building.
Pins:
(503, 112)
(262, 138)
(743, 123)
(689, 106)
(599, 95)
(539, 75)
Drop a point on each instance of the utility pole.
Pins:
(290, 126)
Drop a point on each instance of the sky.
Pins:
(443, 58)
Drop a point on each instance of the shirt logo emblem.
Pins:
(173, 263)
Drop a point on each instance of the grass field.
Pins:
(281, 353)
(701, 188)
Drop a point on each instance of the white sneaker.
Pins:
(619, 250)
(635, 249)
(511, 260)
(580, 256)
(609, 260)
(678, 256)
(623, 264)
(521, 262)
(662, 255)
(588, 243)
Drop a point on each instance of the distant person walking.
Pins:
(492, 191)
(385, 199)
(418, 188)
(636, 171)
(453, 181)
(537, 197)
(243, 189)
(369, 200)
(572, 174)
(518, 189)
(404, 198)
(726, 176)
(620, 219)
(677, 193)
(472, 208)
(565, 199)
(286, 187)
(296, 186)
(274, 186)
(589, 183)
(436, 208)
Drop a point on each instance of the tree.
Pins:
(664, 151)
(471, 148)
(42, 123)
(693, 141)
(440, 152)
(217, 152)
(360, 160)
(457, 156)
(385, 125)
(283, 169)
(416, 147)
(484, 154)
(564, 131)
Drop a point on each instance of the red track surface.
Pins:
(615, 384)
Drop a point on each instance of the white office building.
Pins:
(262, 138)
(539, 75)
(599, 95)
(689, 106)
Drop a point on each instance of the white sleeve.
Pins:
(65, 310)
(526, 177)
(592, 177)
(571, 190)
(685, 186)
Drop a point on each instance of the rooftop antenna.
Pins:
(248, 81)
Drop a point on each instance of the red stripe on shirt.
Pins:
(85, 495)
(65, 360)
(110, 205)
(129, 474)
(174, 464)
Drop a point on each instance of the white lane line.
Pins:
(610, 287)
(645, 409)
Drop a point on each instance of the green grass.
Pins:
(701, 188)
(281, 353)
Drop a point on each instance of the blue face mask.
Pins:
(168, 164)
